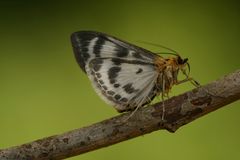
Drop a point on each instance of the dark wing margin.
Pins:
(81, 42)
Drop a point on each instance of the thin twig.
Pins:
(179, 111)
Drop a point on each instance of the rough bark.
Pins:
(180, 110)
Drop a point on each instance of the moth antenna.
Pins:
(167, 53)
(161, 46)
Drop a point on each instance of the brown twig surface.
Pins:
(180, 110)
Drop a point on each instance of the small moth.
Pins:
(124, 75)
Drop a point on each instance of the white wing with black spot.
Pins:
(123, 74)
(125, 84)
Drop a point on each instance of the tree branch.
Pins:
(180, 110)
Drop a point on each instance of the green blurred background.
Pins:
(43, 91)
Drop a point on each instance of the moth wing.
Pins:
(125, 84)
(88, 45)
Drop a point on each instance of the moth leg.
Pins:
(197, 85)
(194, 82)
(163, 106)
(133, 112)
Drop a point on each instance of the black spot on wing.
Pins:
(96, 67)
(96, 64)
(129, 88)
(98, 46)
(113, 73)
(98, 75)
(139, 70)
(123, 99)
(116, 85)
(137, 55)
(100, 81)
(110, 92)
(121, 51)
(116, 61)
(117, 97)
(112, 81)
(104, 87)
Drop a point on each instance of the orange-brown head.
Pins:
(172, 63)
(168, 69)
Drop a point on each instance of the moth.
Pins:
(124, 75)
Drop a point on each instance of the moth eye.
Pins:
(185, 60)
(179, 60)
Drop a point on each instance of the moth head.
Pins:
(183, 63)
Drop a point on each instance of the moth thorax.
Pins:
(172, 74)
(168, 72)
(160, 64)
